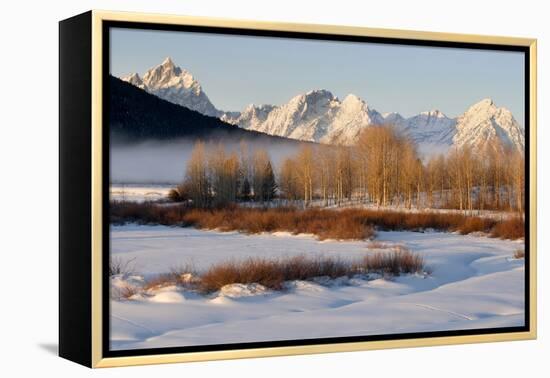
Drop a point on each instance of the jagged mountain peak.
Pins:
(316, 115)
(253, 109)
(353, 104)
(485, 106)
(172, 83)
(318, 93)
(486, 102)
(392, 116)
(484, 122)
(135, 80)
(168, 62)
(132, 76)
(314, 95)
(264, 107)
(354, 100)
(485, 109)
(435, 113)
(167, 74)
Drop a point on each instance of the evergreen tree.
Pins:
(245, 190)
(269, 188)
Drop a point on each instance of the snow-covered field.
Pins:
(139, 192)
(475, 283)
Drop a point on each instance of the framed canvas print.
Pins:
(235, 189)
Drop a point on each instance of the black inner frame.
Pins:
(107, 25)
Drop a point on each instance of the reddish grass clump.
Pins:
(474, 224)
(325, 224)
(513, 228)
(264, 272)
(162, 280)
(128, 292)
(519, 254)
(178, 276)
(345, 224)
(118, 266)
(400, 261)
(273, 273)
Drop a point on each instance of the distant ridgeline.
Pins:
(135, 115)
(319, 116)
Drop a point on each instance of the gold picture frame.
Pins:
(93, 23)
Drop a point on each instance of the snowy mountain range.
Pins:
(319, 116)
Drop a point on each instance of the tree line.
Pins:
(216, 177)
(383, 168)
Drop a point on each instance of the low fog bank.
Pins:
(164, 162)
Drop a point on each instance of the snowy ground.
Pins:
(139, 192)
(476, 283)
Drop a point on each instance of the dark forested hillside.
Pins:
(135, 115)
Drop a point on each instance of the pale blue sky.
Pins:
(235, 71)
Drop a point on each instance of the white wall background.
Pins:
(28, 170)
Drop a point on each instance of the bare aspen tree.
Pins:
(323, 160)
(332, 167)
(245, 189)
(483, 177)
(369, 148)
(496, 162)
(305, 169)
(196, 176)
(432, 180)
(343, 174)
(224, 173)
(467, 166)
(216, 159)
(390, 163)
(232, 176)
(360, 170)
(455, 178)
(408, 173)
(420, 173)
(517, 168)
(288, 181)
(441, 178)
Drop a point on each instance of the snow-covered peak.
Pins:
(431, 120)
(394, 119)
(265, 107)
(484, 122)
(391, 116)
(486, 102)
(257, 110)
(132, 77)
(167, 74)
(316, 96)
(309, 104)
(428, 129)
(318, 93)
(135, 80)
(485, 107)
(316, 115)
(354, 101)
(434, 113)
(172, 83)
(167, 62)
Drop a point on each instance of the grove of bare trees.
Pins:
(217, 177)
(383, 168)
